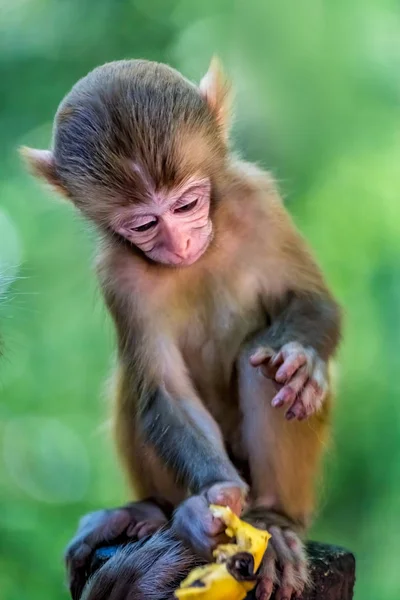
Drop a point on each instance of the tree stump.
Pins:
(332, 571)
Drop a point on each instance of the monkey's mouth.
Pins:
(190, 260)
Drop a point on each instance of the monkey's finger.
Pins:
(297, 383)
(298, 409)
(142, 529)
(297, 577)
(288, 582)
(260, 356)
(133, 528)
(302, 576)
(114, 524)
(285, 396)
(77, 560)
(291, 364)
(297, 548)
(77, 583)
(308, 401)
(207, 524)
(219, 539)
(227, 494)
(264, 588)
(194, 524)
(319, 376)
(268, 575)
(77, 563)
(278, 359)
(292, 583)
(312, 397)
(280, 544)
(284, 593)
(204, 544)
(78, 553)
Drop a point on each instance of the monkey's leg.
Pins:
(133, 521)
(283, 458)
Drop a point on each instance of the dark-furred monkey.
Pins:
(225, 324)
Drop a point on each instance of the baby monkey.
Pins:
(225, 324)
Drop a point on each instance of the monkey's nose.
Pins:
(184, 249)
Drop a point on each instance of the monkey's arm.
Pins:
(310, 318)
(185, 437)
(304, 331)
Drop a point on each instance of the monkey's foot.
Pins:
(194, 523)
(105, 527)
(301, 374)
(284, 566)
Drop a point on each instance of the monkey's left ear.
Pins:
(41, 164)
(216, 90)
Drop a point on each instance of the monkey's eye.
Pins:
(144, 227)
(186, 207)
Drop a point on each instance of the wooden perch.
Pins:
(332, 571)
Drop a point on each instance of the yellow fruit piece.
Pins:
(214, 581)
(216, 584)
(225, 551)
(248, 538)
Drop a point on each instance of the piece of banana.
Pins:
(211, 582)
(233, 574)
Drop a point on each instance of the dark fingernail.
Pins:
(290, 416)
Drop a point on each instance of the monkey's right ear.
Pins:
(41, 164)
(216, 90)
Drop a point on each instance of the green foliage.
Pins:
(317, 102)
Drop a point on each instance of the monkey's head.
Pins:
(142, 153)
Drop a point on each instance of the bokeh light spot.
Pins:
(46, 459)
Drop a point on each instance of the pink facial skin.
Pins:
(173, 228)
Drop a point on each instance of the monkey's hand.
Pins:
(301, 377)
(285, 564)
(194, 523)
(104, 527)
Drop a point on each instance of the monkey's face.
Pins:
(135, 147)
(172, 227)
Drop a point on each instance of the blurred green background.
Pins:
(317, 102)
